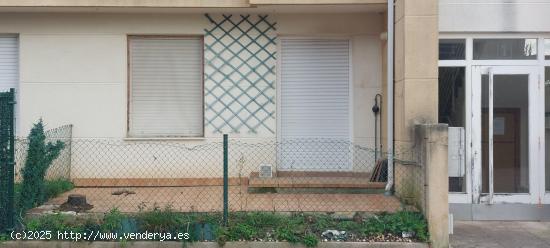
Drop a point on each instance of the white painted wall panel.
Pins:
(494, 16)
(73, 58)
(66, 51)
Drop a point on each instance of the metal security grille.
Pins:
(240, 74)
(7, 101)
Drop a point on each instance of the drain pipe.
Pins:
(377, 110)
(390, 48)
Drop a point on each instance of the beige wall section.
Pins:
(424, 179)
(416, 56)
(74, 71)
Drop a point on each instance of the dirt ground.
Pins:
(209, 198)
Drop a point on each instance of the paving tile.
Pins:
(501, 234)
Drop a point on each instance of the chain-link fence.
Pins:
(60, 167)
(298, 175)
(7, 101)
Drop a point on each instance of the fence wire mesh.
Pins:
(7, 101)
(60, 167)
(299, 175)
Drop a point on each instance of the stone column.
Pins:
(432, 147)
(416, 73)
(416, 102)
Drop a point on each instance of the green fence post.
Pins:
(11, 161)
(225, 180)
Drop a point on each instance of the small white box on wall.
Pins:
(456, 152)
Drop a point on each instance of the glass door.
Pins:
(504, 134)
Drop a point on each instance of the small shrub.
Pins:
(286, 233)
(406, 221)
(349, 226)
(49, 222)
(39, 157)
(263, 219)
(310, 240)
(320, 222)
(241, 231)
(112, 221)
(373, 226)
(161, 220)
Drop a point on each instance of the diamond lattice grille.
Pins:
(240, 74)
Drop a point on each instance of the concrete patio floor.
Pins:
(209, 199)
(500, 234)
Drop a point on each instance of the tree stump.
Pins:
(77, 200)
(77, 203)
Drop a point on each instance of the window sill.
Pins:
(164, 138)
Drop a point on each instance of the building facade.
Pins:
(493, 74)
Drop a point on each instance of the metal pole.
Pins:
(225, 180)
(389, 185)
(11, 161)
(491, 159)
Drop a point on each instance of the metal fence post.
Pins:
(7, 160)
(225, 180)
(11, 162)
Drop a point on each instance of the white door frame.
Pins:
(535, 103)
(468, 63)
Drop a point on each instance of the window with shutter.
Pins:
(9, 62)
(315, 103)
(166, 86)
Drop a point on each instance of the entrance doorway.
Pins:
(504, 134)
(494, 92)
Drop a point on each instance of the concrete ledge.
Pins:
(175, 3)
(143, 244)
(502, 212)
(128, 3)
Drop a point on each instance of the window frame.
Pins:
(535, 38)
(129, 37)
(460, 39)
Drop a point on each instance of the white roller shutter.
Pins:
(166, 96)
(9, 62)
(315, 103)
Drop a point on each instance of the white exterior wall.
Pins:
(494, 16)
(73, 70)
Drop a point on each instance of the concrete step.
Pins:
(315, 182)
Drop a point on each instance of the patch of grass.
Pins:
(310, 240)
(349, 226)
(406, 221)
(258, 226)
(286, 233)
(52, 188)
(112, 221)
(61, 223)
(160, 220)
(56, 187)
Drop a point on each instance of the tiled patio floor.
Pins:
(209, 198)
